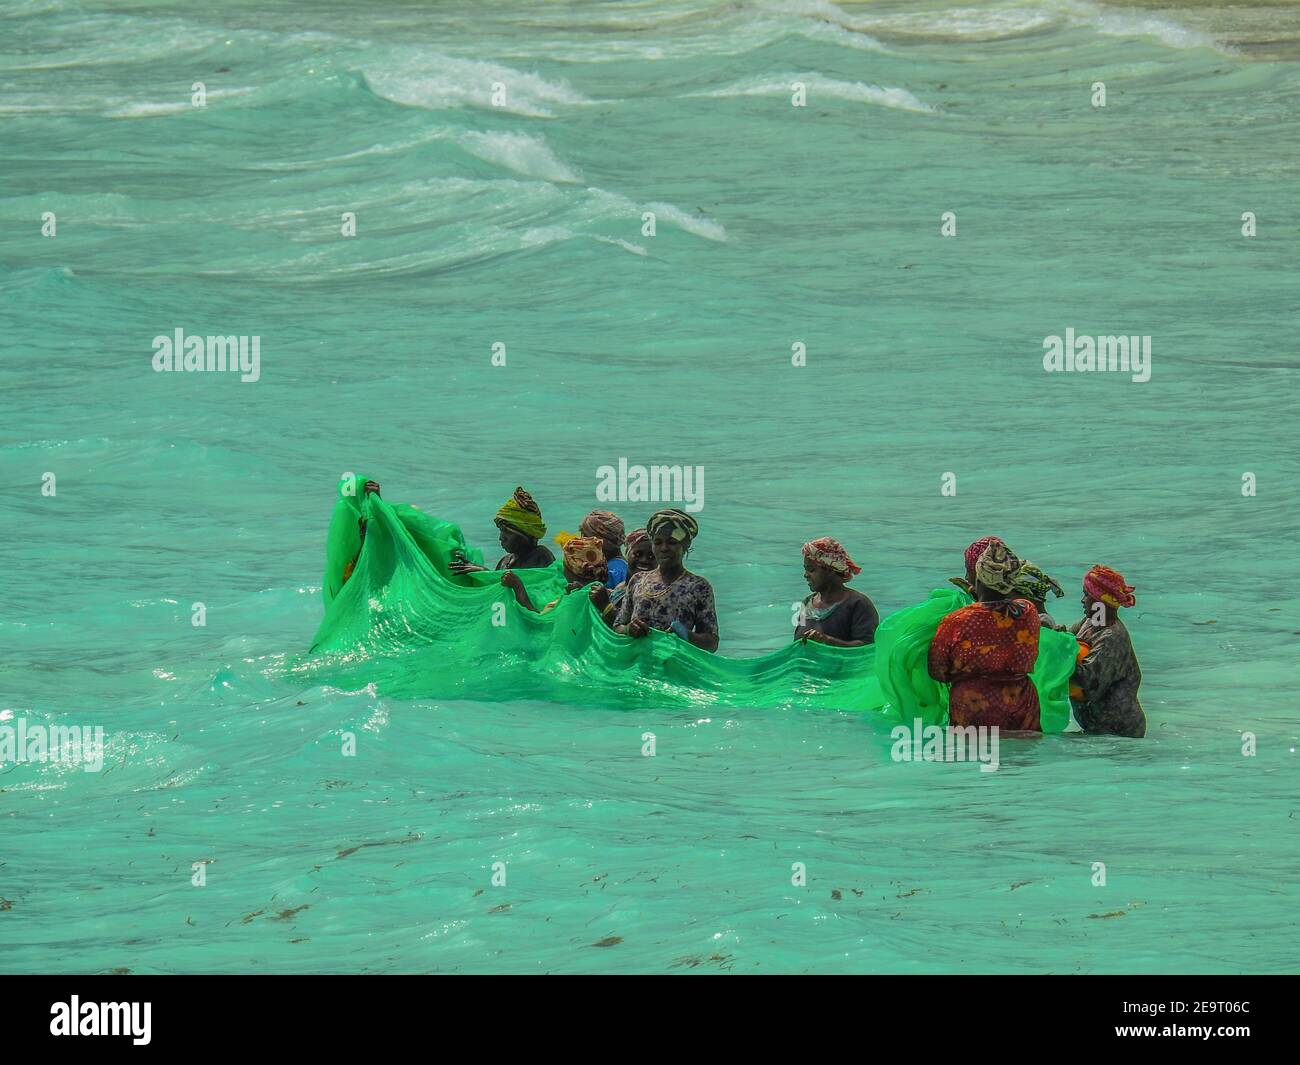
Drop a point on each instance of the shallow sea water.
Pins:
(522, 224)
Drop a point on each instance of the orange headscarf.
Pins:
(585, 555)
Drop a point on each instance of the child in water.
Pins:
(640, 553)
(640, 559)
(1104, 688)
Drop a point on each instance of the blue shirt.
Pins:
(617, 569)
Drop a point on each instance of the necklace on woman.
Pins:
(665, 585)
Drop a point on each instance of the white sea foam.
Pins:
(543, 235)
(626, 245)
(1139, 23)
(967, 23)
(420, 78)
(995, 23)
(821, 20)
(700, 227)
(838, 35)
(719, 30)
(117, 107)
(520, 152)
(151, 108)
(820, 85)
(146, 110)
(615, 205)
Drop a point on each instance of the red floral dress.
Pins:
(985, 651)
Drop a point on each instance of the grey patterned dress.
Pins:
(1109, 677)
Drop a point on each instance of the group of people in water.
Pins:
(986, 650)
(638, 581)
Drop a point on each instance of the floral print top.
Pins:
(986, 651)
(688, 599)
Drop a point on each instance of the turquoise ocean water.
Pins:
(499, 159)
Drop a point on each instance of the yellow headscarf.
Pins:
(522, 512)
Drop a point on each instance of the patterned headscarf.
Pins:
(635, 537)
(681, 526)
(608, 526)
(996, 568)
(521, 512)
(1105, 584)
(584, 555)
(831, 554)
(973, 554)
(1032, 583)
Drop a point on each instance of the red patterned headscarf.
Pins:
(973, 554)
(635, 537)
(1105, 584)
(831, 554)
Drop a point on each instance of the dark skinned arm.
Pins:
(511, 580)
(705, 641)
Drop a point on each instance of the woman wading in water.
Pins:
(833, 614)
(1104, 688)
(584, 562)
(519, 522)
(668, 597)
(986, 650)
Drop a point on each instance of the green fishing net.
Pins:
(902, 652)
(404, 623)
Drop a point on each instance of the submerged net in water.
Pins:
(406, 624)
